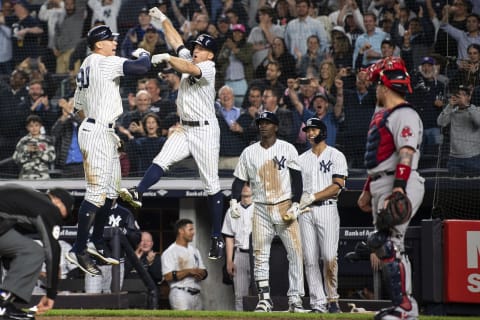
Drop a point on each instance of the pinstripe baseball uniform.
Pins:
(267, 171)
(184, 293)
(240, 229)
(99, 97)
(200, 136)
(321, 226)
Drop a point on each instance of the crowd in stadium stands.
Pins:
(297, 58)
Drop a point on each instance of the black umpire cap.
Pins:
(100, 33)
(268, 116)
(67, 199)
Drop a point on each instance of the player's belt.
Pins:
(110, 125)
(192, 291)
(194, 123)
(379, 175)
(322, 203)
(243, 250)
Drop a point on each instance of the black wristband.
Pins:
(174, 276)
(400, 183)
(180, 48)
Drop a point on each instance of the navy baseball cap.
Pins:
(314, 123)
(23, 3)
(268, 116)
(320, 95)
(428, 60)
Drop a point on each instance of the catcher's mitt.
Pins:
(398, 211)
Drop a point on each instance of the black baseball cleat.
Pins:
(102, 252)
(84, 262)
(333, 307)
(9, 311)
(216, 248)
(131, 196)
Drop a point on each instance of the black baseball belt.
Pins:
(194, 123)
(322, 203)
(192, 291)
(91, 120)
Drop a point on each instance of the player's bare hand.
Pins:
(157, 15)
(231, 268)
(140, 52)
(234, 209)
(375, 262)
(161, 57)
(306, 200)
(364, 201)
(44, 305)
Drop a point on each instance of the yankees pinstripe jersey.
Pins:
(178, 257)
(97, 92)
(267, 171)
(196, 96)
(239, 228)
(317, 172)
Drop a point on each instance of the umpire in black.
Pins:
(25, 211)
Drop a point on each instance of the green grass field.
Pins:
(91, 314)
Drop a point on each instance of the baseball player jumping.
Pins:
(199, 125)
(392, 156)
(98, 98)
(324, 171)
(271, 168)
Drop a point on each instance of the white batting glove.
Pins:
(140, 52)
(161, 57)
(234, 210)
(306, 200)
(292, 213)
(157, 17)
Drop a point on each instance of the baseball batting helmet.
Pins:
(206, 41)
(392, 73)
(317, 123)
(100, 33)
(268, 116)
(398, 211)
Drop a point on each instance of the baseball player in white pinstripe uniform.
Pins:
(237, 228)
(271, 168)
(324, 171)
(199, 133)
(98, 98)
(183, 269)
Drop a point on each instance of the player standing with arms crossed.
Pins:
(324, 171)
(271, 168)
(183, 269)
(195, 107)
(98, 98)
(237, 228)
(392, 156)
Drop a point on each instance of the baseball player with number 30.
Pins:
(271, 168)
(199, 134)
(98, 98)
(324, 171)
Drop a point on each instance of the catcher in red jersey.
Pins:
(392, 156)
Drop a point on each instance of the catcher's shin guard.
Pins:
(396, 275)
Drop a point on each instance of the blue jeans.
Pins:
(464, 167)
